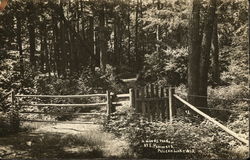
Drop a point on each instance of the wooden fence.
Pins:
(107, 103)
(156, 103)
(227, 130)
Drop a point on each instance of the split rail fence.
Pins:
(155, 103)
(15, 103)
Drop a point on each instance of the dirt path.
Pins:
(64, 141)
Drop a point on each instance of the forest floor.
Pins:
(63, 141)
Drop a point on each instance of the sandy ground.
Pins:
(47, 141)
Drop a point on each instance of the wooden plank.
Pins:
(162, 105)
(131, 98)
(143, 108)
(157, 103)
(170, 104)
(152, 99)
(65, 105)
(166, 102)
(152, 107)
(120, 103)
(58, 113)
(108, 104)
(63, 96)
(232, 133)
(136, 102)
(122, 95)
(63, 122)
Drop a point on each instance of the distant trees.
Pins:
(63, 38)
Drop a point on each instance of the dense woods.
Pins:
(61, 39)
(88, 46)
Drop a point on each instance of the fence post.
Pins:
(14, 119)
(143, 107)
(147, 103)
(166, 102)
(162, 106)
(171, 105)
(152, 103)
(173, 102)
(132, 97)
(157, 102)
(136, 93)
(108, 104)
(13, 99)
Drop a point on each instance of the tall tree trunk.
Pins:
(92, 42)
(31, 30)
(158, 30)
(103, 42)
(215, 54)
(63, 61)
(205, 54)
(42, 57)
(129, 36)
(55, 42)
(194, 53)
(137, 57)
(19, 43)
(47, 54)
(117, 40)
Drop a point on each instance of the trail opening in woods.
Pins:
(155, 79)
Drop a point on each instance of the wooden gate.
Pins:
(17, 103)
(155, 103)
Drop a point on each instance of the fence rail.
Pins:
(212, 120)
(64, 122)
(107, 103)
(63, 96)
(217, 98)
(63, 113)
(65, 105)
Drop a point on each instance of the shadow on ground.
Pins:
(48, 146)
(88, 144)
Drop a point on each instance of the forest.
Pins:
(80, 47)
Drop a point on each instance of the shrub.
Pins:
(168, 67)
(9, 122)
(204, 140)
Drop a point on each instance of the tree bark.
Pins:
(55, 42)
(129, 36)
(158, 30)
(205, 54)
(103, 42)
(137, 57)
(194, 53)
(92, 42)
(19, 43)
(31, 30)
(215, 54)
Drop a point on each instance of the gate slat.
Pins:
(65, 105)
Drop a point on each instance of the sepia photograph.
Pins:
(124, 79)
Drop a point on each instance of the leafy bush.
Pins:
(88, 82)
(168, 67)
(229, 98)
(203, 141)
(9, 122)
